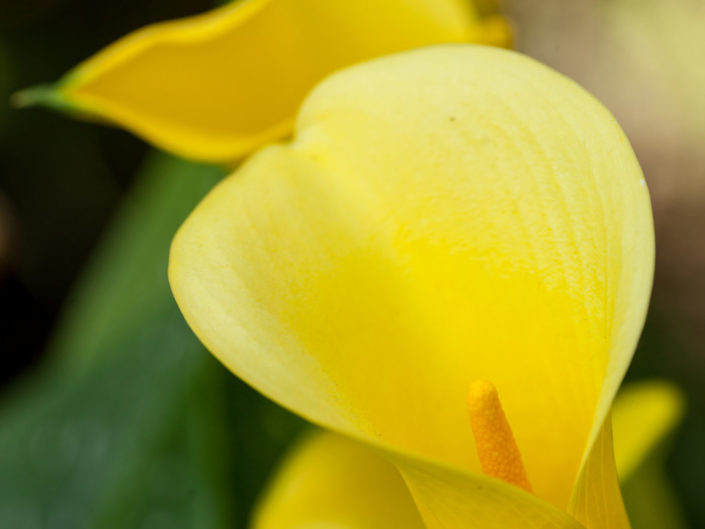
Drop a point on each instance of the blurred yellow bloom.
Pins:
(443, 216)
(216, 86)
(332, 481)
(644, 416)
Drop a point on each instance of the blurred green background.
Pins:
(113, 415)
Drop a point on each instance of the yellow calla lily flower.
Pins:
(331, 481)
(446, 221)
(216, 86)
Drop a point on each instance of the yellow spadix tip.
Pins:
(496, 448)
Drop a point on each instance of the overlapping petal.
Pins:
(442, 215)
(328, 479)
(215, 86)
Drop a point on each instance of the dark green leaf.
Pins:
(133, 424)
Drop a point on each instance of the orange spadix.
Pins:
(496, 447)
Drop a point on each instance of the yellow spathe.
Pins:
(216, 86)
(444, 215)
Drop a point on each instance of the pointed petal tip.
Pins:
(41, 95)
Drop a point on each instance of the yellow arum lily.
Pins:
(216, 86)
(442, 216)
(331, 481)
